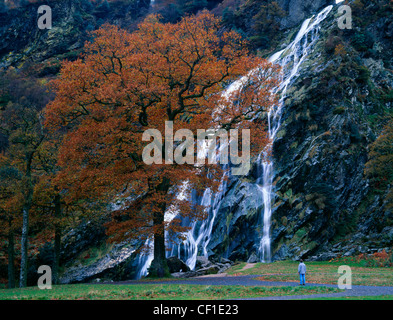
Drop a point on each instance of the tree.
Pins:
(49, 205)
(47, 196)
(21, 122)
(10, 200)
(379, 168)
(129, 82)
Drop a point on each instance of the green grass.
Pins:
(318, 272)
(154, 292)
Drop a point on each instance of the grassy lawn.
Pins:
(317, 272)
(154, 292)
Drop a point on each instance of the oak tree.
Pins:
(126, 83)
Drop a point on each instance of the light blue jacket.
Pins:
(302, 268)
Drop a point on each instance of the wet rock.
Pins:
(298, 10)
(253, 258)
(119, 264)
(176, 265)
(202, 262)
(213, 269)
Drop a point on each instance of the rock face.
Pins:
(23, 42)
(119, 264)
(86, 255)
(322, 198)
(86, 235)
(298, 10)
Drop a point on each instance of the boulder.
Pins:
(213, 269)
(253, 258)
(187, 274)
(176, 265)
(202, 262)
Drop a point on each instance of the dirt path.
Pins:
(248, 266)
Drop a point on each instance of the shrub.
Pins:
(388, 97)
(377, 259)
(339, 50)
(363, 74)
(362, 41)
(332, 42)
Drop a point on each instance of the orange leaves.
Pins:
(129, 82)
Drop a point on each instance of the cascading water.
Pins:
(198, 237)
(290, 59)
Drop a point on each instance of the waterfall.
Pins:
(198, 237)
(290, 59)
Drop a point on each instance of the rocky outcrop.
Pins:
(323, 198)
(86, 255)
(24, 43)
(299, 10)
(120, 263)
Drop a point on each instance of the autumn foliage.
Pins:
(129, 82)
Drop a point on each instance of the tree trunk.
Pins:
(24, 248)
(159, 267)
(11, 258)
(28, 195)
(57, 245)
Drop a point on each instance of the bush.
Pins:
(388, 97)
(378, 259)
(362, 41)
(363, 74)
(332, 42)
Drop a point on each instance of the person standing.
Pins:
(302, 272)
